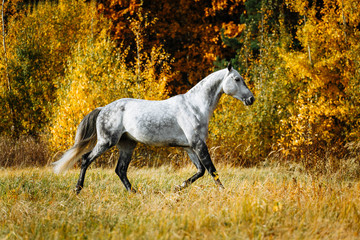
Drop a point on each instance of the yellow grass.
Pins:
(258, 203)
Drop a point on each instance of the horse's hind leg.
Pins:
(87, 159)
(126, 148)
(200, 167)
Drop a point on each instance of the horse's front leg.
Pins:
(201, 150)
(201, 170)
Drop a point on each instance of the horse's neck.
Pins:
(206, 94)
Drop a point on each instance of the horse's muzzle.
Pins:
(249, 101)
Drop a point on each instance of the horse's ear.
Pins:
(229, 67)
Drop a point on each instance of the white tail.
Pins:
(67, 160)
(85, 139)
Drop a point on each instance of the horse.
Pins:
(179, 121)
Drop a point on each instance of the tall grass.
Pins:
(258, 203)
(24, 151)
(27, 151)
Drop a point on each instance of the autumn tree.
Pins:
(259, 42)
(300, 59)
(323, 72)
(188, 30)
(39, 39)
(96, 75)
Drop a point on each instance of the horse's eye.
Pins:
(237, 79)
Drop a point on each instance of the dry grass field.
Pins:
(258, 203)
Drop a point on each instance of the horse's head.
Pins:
(234, 85)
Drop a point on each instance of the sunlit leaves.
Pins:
(188, 30)
(39, 40)
(300, 58)
(319, 117)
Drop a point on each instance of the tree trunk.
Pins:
(4, 45)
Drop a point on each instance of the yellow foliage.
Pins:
(305, 75)
(94, 78)
(320, 73)
(39, 40)
(97, 75)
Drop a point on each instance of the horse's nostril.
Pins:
(250, 100)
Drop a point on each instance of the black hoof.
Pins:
(177, 188)
(78, 189)
(219, 184)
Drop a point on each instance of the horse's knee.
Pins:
(202, 152)
(197, 145)
(119, 170)
(201, 172)
(200, 149)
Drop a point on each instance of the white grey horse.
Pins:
(180, 121)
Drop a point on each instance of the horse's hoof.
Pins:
(219, 184)
(177, 188)
(77, 190)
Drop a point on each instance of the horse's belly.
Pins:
(159, 137)
(157, 130)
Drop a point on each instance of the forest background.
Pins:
(61, 59)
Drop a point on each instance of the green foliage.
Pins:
(255, 129)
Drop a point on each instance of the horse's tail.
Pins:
(85, 139)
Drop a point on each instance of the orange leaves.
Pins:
(233, 30)
(188, 31)
(232, 7)
(216, 5)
